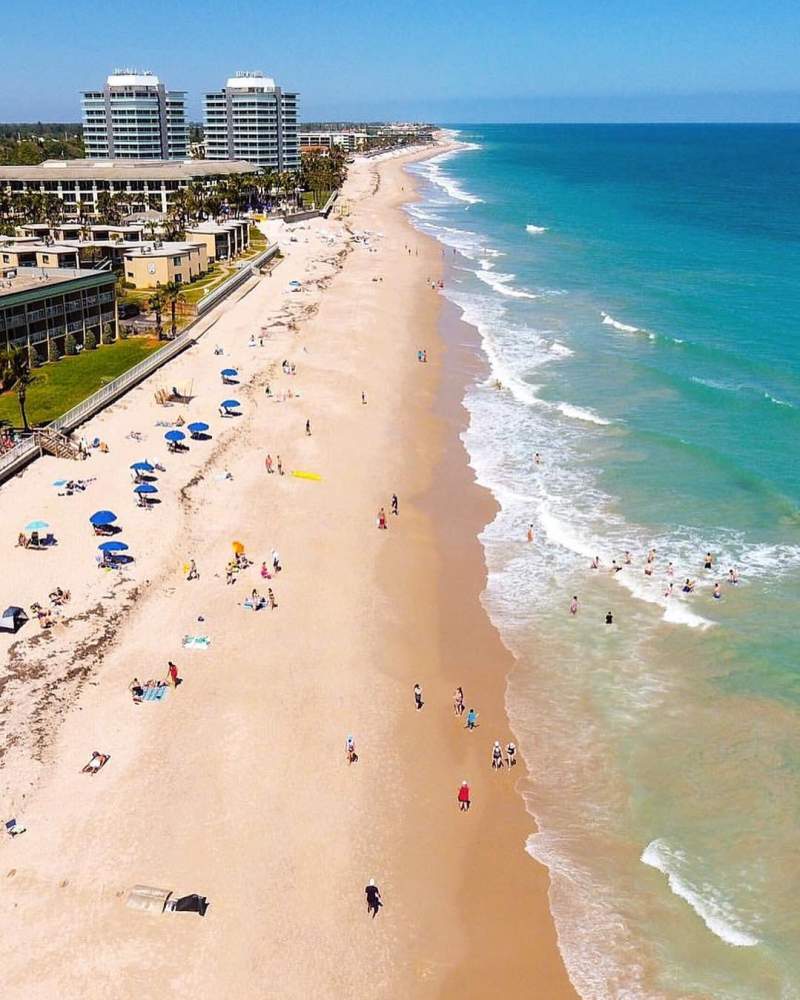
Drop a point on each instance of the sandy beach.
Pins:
(235, 784)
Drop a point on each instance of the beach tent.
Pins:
(148, 899)
(13, 619)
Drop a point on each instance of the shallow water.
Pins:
(636, 293)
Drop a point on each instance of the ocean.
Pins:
(636, 292)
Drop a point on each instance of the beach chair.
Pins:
(14, 828)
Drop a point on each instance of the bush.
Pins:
(70, 345)
(52, 351)
(89, 341)
(124, 332)
(34, 358)
(107, 336)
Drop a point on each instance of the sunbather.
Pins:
(136, 690)
(98, 760)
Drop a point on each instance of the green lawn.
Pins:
(62, 384)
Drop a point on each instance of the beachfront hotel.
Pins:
(42, 305)
(252, 119)
(154, 182)
(134, 117)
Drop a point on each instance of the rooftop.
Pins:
(160, 250)
(122, 170)
(26, 279)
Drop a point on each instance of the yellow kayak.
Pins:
(306, 475)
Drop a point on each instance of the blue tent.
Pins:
(113, 547)
(145, 488)
(143, 467)
(229, 372)
(197, 428)
(102, 517)
(174, 435)
(230, 404)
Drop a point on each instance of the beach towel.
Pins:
(196, 642)
(306, 475)
(154, 693)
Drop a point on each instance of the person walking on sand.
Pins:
(172, 670)
(530, 532)
(268, 463)
(276, 561)
(382, 525)
(363, 398)
(511, 755)
(192, 574)
(472, 719)
(374, 901)
(463, 797)
(418, 696)
(458, 702)
(497, 756)
(350, 750)
(308, 428)
(395, 504)
(573, 605)
(265, 573)
(279, 463)
(271, 598)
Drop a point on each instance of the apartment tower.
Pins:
(134, 117)
(253, 119)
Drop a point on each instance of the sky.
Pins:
(465, 61)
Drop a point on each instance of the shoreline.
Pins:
(236, 786)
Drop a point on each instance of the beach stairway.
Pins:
(55, 443)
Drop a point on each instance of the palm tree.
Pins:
(173, 294)
(156, 303)
(15, 365)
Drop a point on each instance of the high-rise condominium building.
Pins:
(134, 117)
(252, 119)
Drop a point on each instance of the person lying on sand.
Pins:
(136, 690)
(98, 760)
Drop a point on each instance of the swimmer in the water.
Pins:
(670, 570)
(688, 586)
(530, 532)
(651, 555)
(615, 568)
(627, 558)
(668, 591)
(595, 564)
(537, 458)
(717, 592)
(733, 576)
(609, 618)
(573, 605)
(709, 561)
(648, 569)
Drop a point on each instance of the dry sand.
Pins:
(236, 785)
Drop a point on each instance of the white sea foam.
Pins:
(535, 230)
(560, 350)
(778, 402)
(622, 327)
(432, 170)
(716, 913)
(581, 413)
(502, 283)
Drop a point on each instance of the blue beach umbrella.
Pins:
(113, 547)
(229, 372)
(142, 467)
(145, 488)
(37, 526)
(198, 428)
(174, 435)
(102, 517)
(230, 404)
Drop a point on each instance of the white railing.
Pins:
(246, 271)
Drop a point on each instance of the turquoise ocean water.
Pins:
(637, 294)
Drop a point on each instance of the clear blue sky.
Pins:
(467, 61)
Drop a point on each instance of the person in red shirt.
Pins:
(463, 797)
(174, 680)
